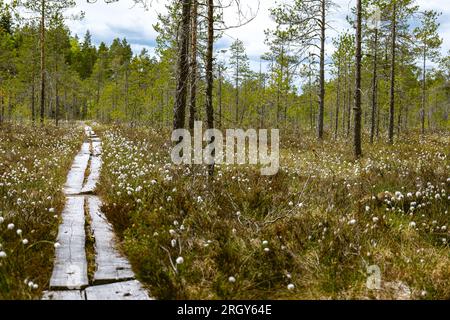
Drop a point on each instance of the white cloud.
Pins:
(124, 19)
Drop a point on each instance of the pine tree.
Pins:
(239, 63)
(430, 43)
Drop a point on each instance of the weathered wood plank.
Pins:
(111, 265)
(70, 269)
(94, 175)
(75, 178)
(129, 290)
(96, 147)
(70, 295)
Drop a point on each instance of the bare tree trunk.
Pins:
(357, 108)
(237, 89)
(344, 107)
(193, 88)
(392, 90)
(322, 73)
(280, 83)
(338, 99)
(210, 74)
(311, 113)
(56, 103)
(374, 87)
(424, 88)
(220, 96)
(33, 96)
(378, 122)
(183, 68)
(349, 103)
(42, 106)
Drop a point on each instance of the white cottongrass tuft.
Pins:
(180, 260)
(10, 226)
(3, 254)
(291, 286)
(232, 279)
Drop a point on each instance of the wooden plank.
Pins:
(70, 295)
(96, 147)
(93, 177)
(87, 131)
(128, 290)
(75, 178)
(111, 265)
(70, 269)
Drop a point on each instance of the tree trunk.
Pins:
(322, 73)
(183, 68)
(237, 89)
(424, 88)
(210, 74)
(280, 83)
(311, 113)
(42, 106)
(57, 104)
(349, 102)
(357, 109)
(392, 90)
(344, 107)
(33, 103)
(220, 97)
(374, 87)
(338, 99)
(193, 88)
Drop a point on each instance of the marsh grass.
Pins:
(34, 162)
(318, 224)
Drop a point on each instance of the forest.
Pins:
(358, 209)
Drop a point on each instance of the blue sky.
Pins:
(124, 19)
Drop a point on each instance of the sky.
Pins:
(125, 19)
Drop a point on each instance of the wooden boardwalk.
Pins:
(113, 278)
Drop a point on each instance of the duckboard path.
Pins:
(113, 278)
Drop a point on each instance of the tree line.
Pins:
(372, 82)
